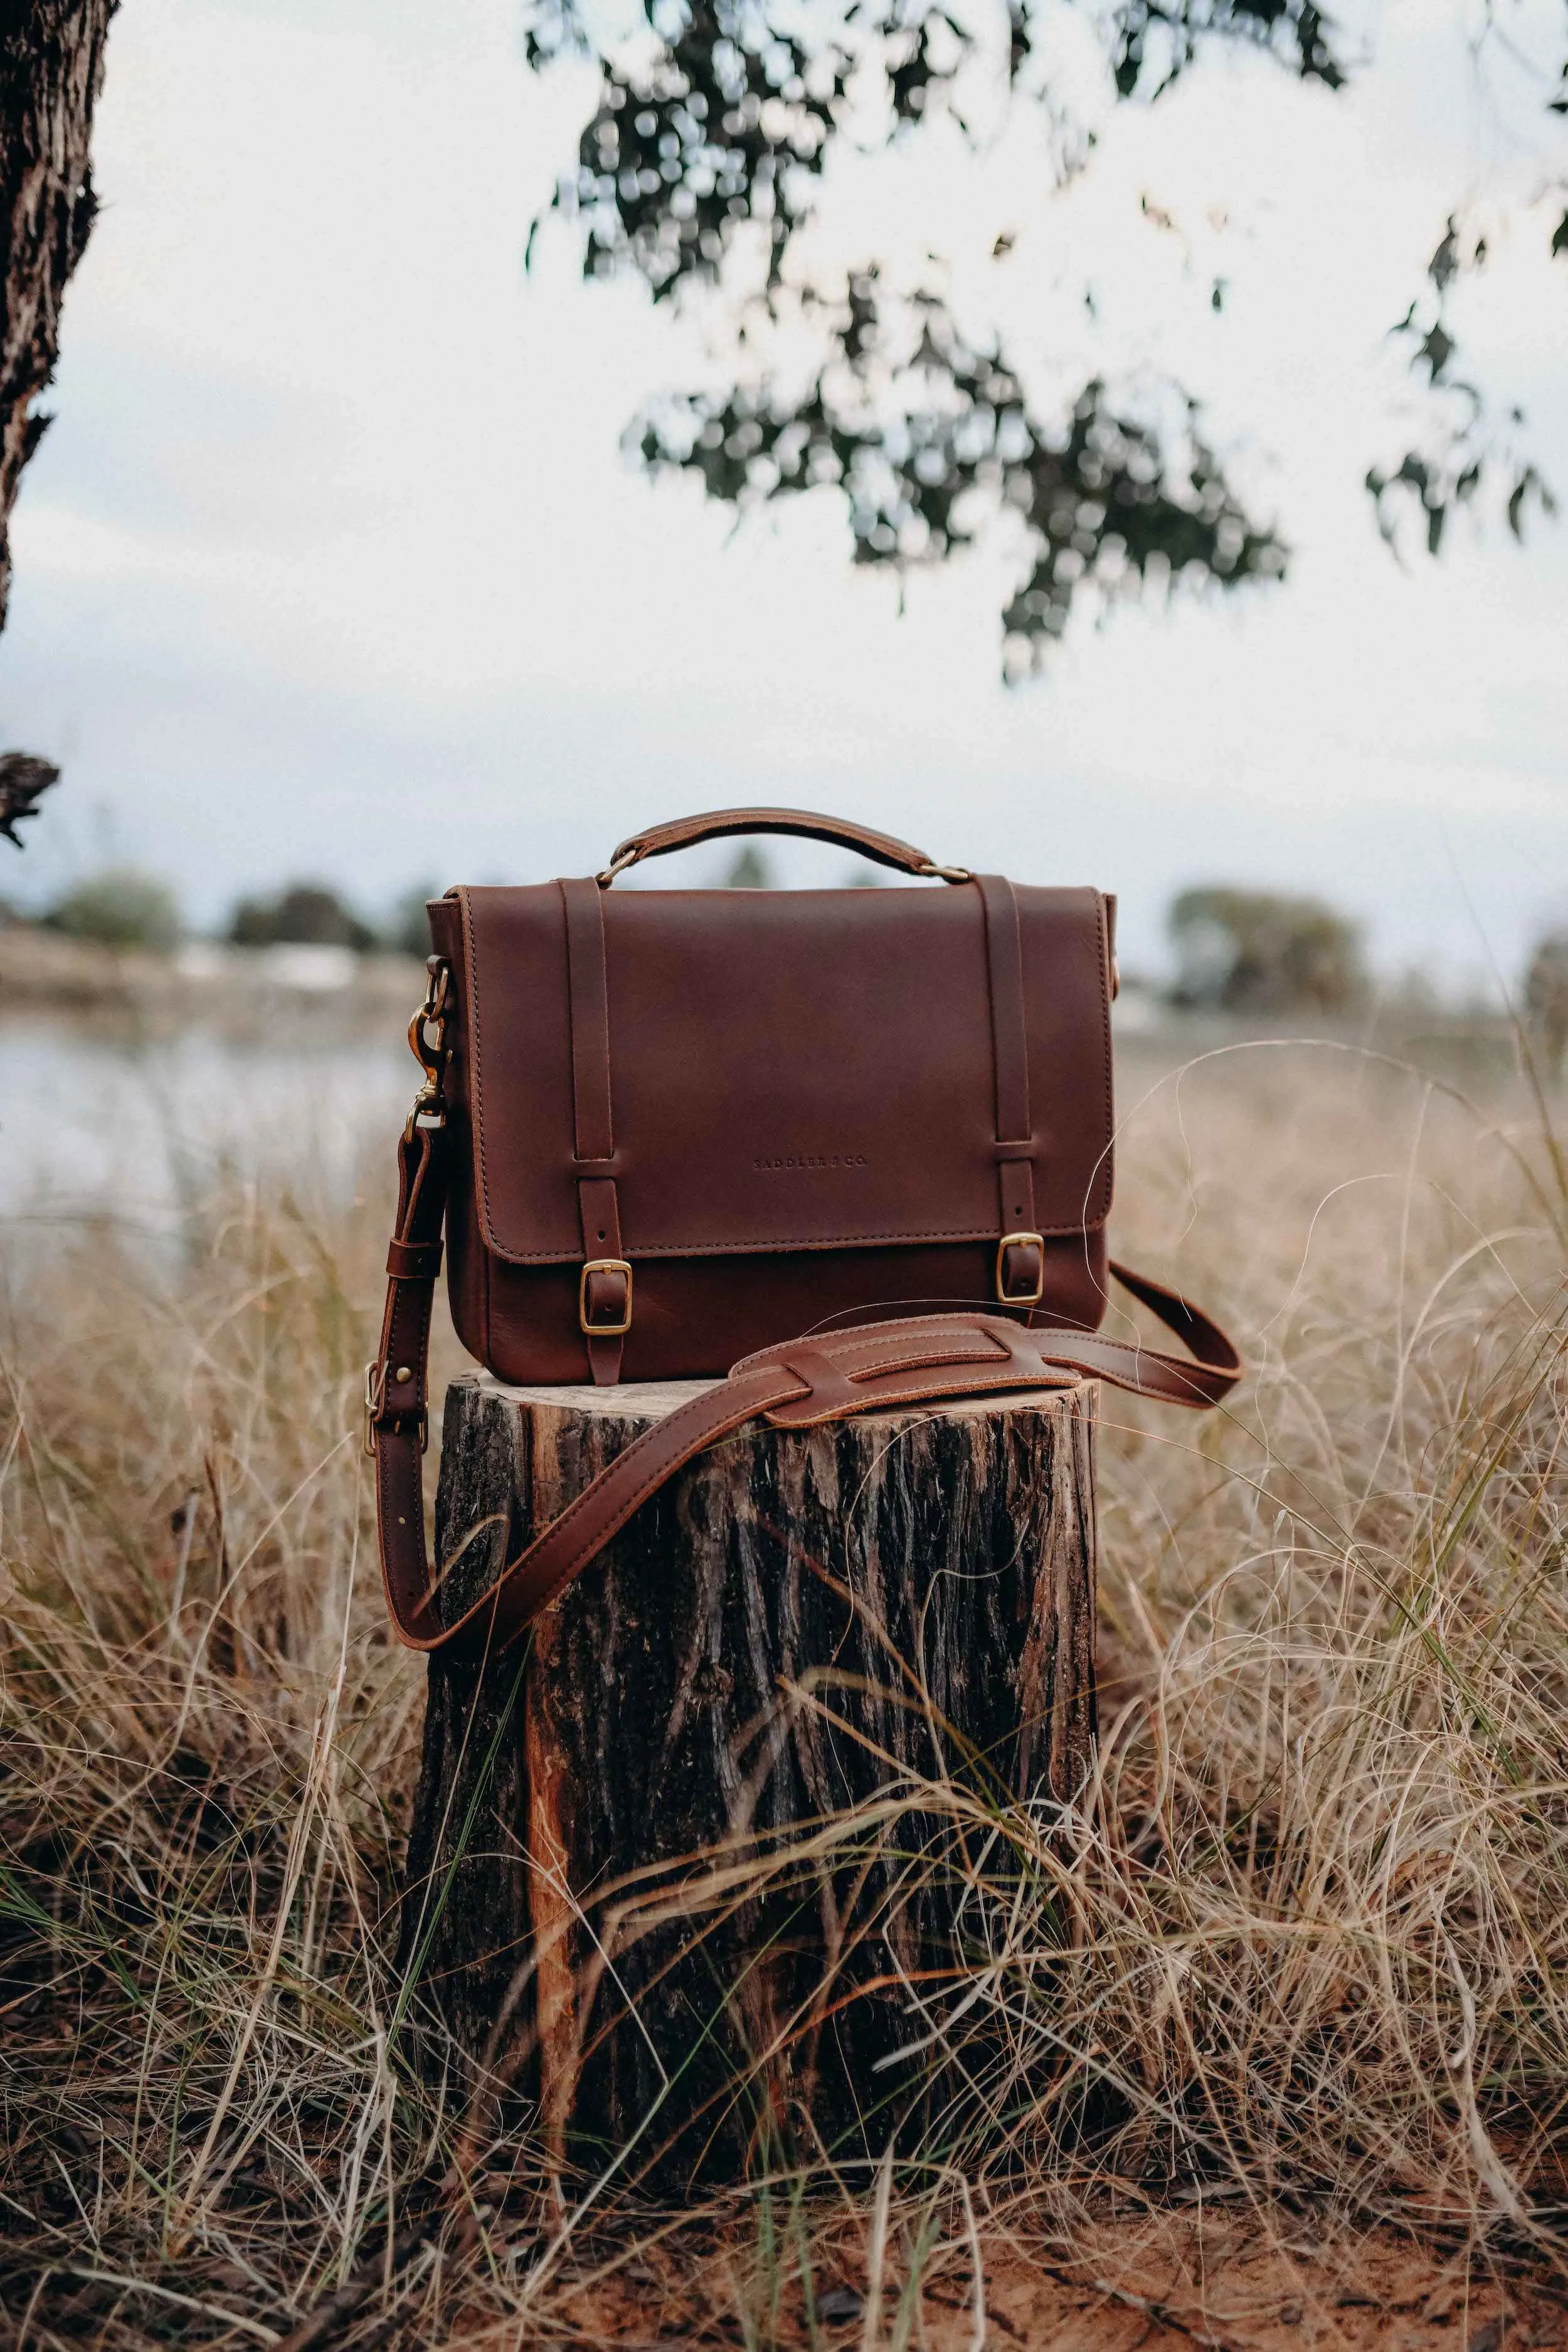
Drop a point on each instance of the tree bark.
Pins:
(690, 1869)
(51, 69)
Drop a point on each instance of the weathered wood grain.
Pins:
(683, 1865)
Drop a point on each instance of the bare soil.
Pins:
(1255, 2282)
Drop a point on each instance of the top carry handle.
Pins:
(882, 848)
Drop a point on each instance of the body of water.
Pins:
(92, 1125)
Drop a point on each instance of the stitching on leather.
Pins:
(903, 1332)
(987, 928)
(999, 906)
(1103, 943)
(1028, 1125)
(870, 1364)
(680, 832)
(607, 1106)
(603, 947)
(388, 1467)
(488, 1257)
(571, 1018)
(1003, 1377)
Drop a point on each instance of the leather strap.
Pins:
(1010, 1054)
(882, 848)
(805, 1381)
(605, 1294)
(395, 1402)
(589, 989)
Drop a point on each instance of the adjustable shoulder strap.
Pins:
(812, 1380)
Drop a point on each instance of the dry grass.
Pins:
(1321, 1965)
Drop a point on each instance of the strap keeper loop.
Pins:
(414, 1261)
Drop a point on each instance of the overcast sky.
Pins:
(331, 563)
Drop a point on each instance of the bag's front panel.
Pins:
(793, 1070)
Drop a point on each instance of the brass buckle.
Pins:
(604, 1330)
(1021, 1297)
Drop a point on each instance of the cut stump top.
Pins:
(651, 1399)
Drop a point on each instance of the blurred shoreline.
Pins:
(243, 992)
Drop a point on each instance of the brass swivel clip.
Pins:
(428, 1044)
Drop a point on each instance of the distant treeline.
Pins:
(1236, 951)
(121, 906)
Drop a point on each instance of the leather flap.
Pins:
(789, 1070)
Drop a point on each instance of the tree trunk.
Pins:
(51, 68)
(687, 1869)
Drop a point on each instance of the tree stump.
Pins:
(692, 1865)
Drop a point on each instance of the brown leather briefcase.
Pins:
(663, 1127)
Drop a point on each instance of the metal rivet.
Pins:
(402, 1373)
